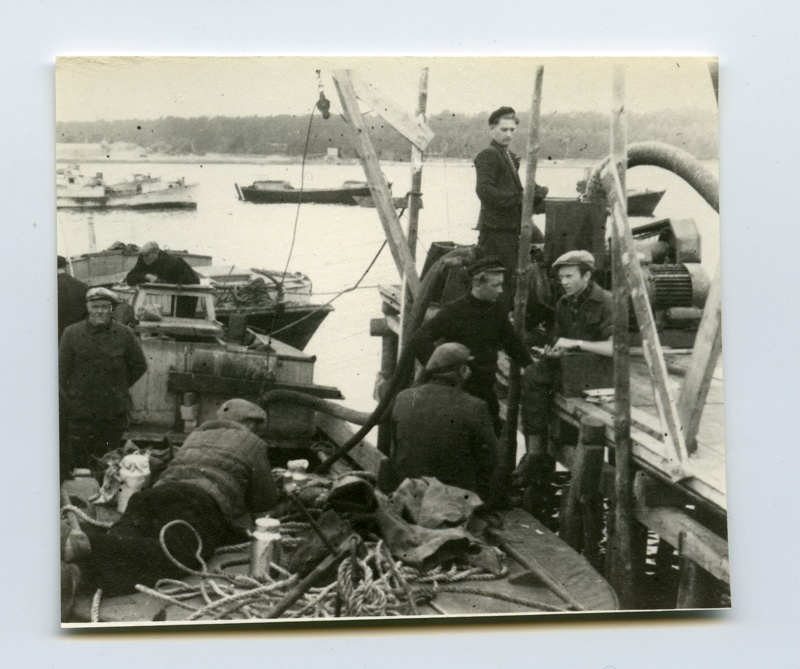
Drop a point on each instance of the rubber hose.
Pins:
(398, 380)
(668, 157)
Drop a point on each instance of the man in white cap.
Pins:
(583, 322)
(98, 361)
(440, 430)
(218, 479)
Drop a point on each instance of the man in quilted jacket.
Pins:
(218, 479)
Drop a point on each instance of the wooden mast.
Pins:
(620, 550)
(523, 263)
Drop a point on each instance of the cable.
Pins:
(335, 297)
(297, 213)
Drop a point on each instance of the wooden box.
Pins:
(582, 371)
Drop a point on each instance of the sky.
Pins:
(114, 88)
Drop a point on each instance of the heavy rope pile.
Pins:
(370, 584)
(256, 292)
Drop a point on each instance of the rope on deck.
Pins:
(71, 508)
(372, 585)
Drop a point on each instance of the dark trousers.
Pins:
(538, 388)
(481, 385)
(88, 438)
(130, 553)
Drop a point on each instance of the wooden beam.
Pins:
(523, 264)
(707, 348)
(414, 129)
(377, 182)
(622, 570)
(695, 541)
(654, 356)
(184, 382)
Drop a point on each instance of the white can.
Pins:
(264, 550)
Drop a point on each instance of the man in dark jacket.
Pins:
(71, 297)
(156, 266)
(583, 322)
(500, 191)
(98, 361)
(440, 430)
(219, 478)
(480, 323)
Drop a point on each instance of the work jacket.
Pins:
(228, 461)
(96, 366)
(588, 316)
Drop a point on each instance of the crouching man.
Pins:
(583, 322)
(440, 430)
(217, 480)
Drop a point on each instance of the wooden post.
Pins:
(586, 469)
(707, 348)
(413, 203)
(619, 544)
(523, 263)
(377, 182)
(92, 238)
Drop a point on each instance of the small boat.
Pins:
(265, 300)
(75, 191)
(282, 192)
(643, 203)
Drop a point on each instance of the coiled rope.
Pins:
(86, 517)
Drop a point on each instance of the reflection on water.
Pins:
(335, 244)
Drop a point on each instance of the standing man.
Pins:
(479, 322)
(500, 191)
(71, 297)
(583, 322)
(440, 430)
(98, 361)
(219, 478)
(157, 266)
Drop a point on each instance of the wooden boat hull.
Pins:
(345, 196)
(174, 197)
(295, 324)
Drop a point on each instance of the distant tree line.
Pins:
(562, 136)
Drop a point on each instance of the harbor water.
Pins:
(334, 245)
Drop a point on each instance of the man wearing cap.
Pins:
(583, 322)
(440, 430)
(157, 266)
(98, 361)
(479, 322)
(218, 479)
(500, 191)
(71, 297)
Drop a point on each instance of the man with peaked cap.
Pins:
(440, 430)
(479, 322)
(218, 479)
(98, 361)
(157, 266)
(583, 322)
(500, 191)
(71, 297)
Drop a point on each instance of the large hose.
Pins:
(400, 378)
(669, 157)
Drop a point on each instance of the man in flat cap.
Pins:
(71, 297)
(440, 430)
(500, 191)
(217, 481)
(157, 266)
(98, 361)
(480, 322)
(583, 322)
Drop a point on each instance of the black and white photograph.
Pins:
(360, 339)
